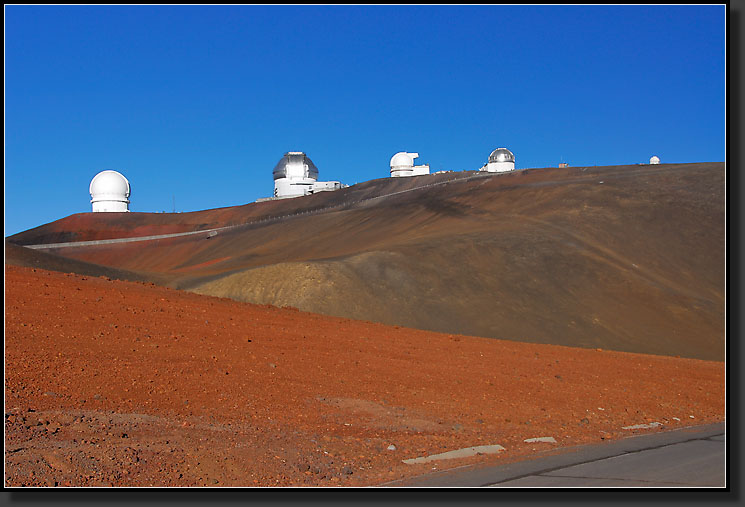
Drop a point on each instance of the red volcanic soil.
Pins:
(130, 384)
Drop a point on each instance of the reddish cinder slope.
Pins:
(123, 383)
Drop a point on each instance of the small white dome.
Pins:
(654, 160)
(109, 191)
(402, 159)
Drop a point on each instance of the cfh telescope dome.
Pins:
(500, 160)
(402, 164)
(110, 192)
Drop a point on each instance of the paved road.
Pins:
(688, 457)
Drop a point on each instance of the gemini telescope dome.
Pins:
(501, 155)
(110, 192)
(296, 175)
(295, 164)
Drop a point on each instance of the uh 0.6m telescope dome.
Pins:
(110, 192)
(500, 160)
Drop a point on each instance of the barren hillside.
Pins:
(111, 383)
(629, 258)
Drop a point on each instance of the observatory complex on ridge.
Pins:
(295, 175)
(402, 163)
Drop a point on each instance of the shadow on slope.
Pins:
(16, 255)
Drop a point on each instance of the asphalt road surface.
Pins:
(688, 457)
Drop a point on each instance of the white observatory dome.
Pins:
(403, 159)
(402, 164)
(110, 192)
(654, 160)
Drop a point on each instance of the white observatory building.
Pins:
(501, 160)
(109, 192)
(654, 160)
(402, 164)
(295, 175)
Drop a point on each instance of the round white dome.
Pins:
(402, 159)
(501, 155)
(109, 192)
(109, 184)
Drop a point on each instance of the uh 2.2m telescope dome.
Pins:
(110, 192)
(402, 164)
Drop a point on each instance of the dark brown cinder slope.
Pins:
(629, 258)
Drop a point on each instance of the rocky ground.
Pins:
(112, 383)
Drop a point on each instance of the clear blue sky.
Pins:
(200, 102)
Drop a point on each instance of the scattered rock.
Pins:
(458, 453)
(391, 447)
(548, 440)
(642, 426)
